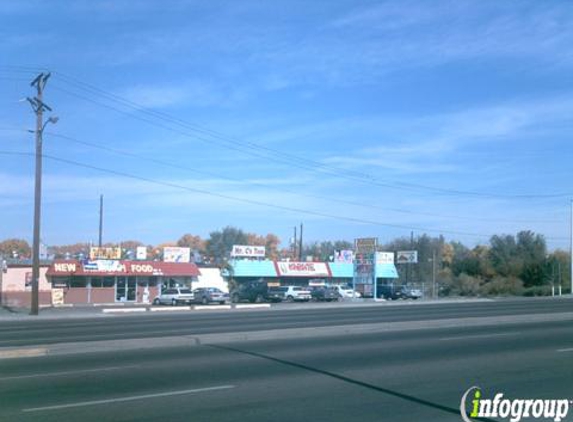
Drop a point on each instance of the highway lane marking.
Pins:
(23, 353)
(480, 336)
(57, 374)
(565, 350)
(130, 398)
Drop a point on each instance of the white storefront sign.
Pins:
(385, 257)
(303, 269)
(248, 251)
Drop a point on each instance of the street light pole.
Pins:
(38, 106)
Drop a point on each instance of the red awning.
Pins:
(122, 268)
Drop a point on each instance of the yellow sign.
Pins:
(105, 253)
(57, 296)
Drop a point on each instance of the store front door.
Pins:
(125, 289)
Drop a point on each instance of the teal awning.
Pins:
(246, 268)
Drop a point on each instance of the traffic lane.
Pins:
(430, 366)
(529, 361)
(257, 390)
(142, 326)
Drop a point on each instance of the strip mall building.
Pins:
(277, 273)
(118, 281)
(94, 282)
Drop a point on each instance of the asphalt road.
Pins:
(410, 376)
(30, 332)
(413, 376)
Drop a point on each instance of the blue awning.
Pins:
(386, 271)
(249, 268)
(246, 268)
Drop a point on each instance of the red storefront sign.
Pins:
(122, 268)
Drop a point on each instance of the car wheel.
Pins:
(156, 301)
(173, 302)
(290, 299)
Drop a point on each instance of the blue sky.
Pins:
(369, 118)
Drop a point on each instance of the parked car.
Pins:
(410, 293)
(206, 295)
(296, 293)
(388, 291)
(345, 292)
(276, 294)
(324, 293)
(251, 291)
(174, 296)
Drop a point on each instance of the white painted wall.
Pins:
(211, 277)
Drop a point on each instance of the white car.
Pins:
(175, 296)
(345, 292)
(296, 293)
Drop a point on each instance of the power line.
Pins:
(247, 147)
(243, 200)
(250, 201)
(322, 197)
(239, 145)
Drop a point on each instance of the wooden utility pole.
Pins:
(38, 107)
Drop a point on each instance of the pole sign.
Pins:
(105, 253)
(366, 244)
(364, 261)
(407, 257)
(364, 268)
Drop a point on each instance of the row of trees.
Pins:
(508, 265)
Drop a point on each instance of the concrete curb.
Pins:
(282, 334)
(124, 310)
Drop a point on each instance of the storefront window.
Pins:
(96, 281)
(108, 282)
(78, 282)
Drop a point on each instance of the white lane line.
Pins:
(480, 336)
(565, 350)
(23, 353)
(131, 398)
(57, 374)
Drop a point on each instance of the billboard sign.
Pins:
(385, 258)
(248, 251)
(407, 257)
(345, 256)
(105, 253)
(141, 253)
(302, 269)
(176, 254)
